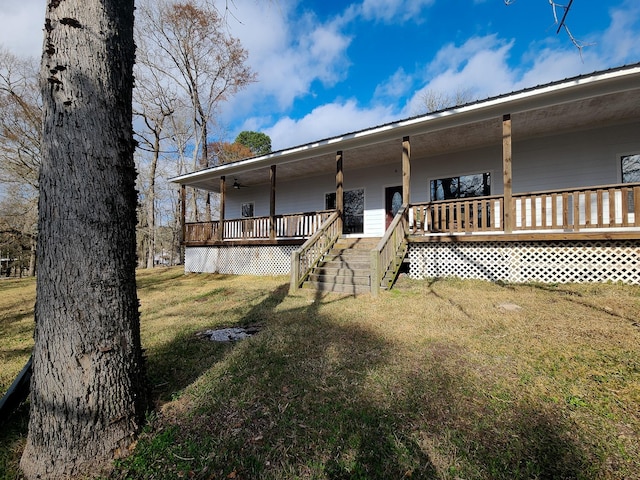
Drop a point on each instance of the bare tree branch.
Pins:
(562, 24)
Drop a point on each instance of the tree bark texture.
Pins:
(88, 390)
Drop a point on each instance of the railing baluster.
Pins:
(612, 207)
(599, 206)
(587, 208)
(464, 222)
(576, 211)
(625, 206)
(554, 210)
(534, 212)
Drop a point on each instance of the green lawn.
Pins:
(443, 379)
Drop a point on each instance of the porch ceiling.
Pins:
(436, 136)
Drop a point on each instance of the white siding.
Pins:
(304, 195)
(572, 159)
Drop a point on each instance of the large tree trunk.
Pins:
(88, 391)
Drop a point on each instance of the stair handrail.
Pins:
(304, 259)
(385, 252)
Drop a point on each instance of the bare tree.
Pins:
(20, 122)
(225, 152)
(562, 23)
(434, 101)
(192, 49)
(88, 389)
(155, 102)
(20, 156)
(18, 220)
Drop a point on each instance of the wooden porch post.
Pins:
(507, 177)
(406, 171)
(272, 204)
(183, 212)
(340, 189)
(223, 188)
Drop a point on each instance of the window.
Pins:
(464, 186)
(247, 210)
(353, 209)
(630, 168)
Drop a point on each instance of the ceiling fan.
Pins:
(237, 185)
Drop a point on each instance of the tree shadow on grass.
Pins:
(579, 299)
(12, 435)
(177, 364)
(314, 396)
(152, 281)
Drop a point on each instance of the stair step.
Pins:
(348, 265)
(337, 287)
(334, 252)
(340, 270)
(340, 279)
(362, 243)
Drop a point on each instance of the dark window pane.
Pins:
(630, 168)
(353, 209)
(330, 201)
(247, 210)
(464, 186)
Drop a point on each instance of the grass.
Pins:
(435, 379)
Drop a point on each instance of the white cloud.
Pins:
(621, 41)
(21, 26)
(396, 86)
(288, 52)
(326, 121)
(478, 66)
(390, 10)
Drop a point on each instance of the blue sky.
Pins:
(329, 67)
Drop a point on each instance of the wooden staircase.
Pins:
(346, 268)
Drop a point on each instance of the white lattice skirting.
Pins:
(546, 262)
(240, 260)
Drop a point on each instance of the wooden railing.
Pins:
(479, 214)
(386, 254)
(201, 231)
(310, 253)
(566, 210)
(611, 206)
(293, 225)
